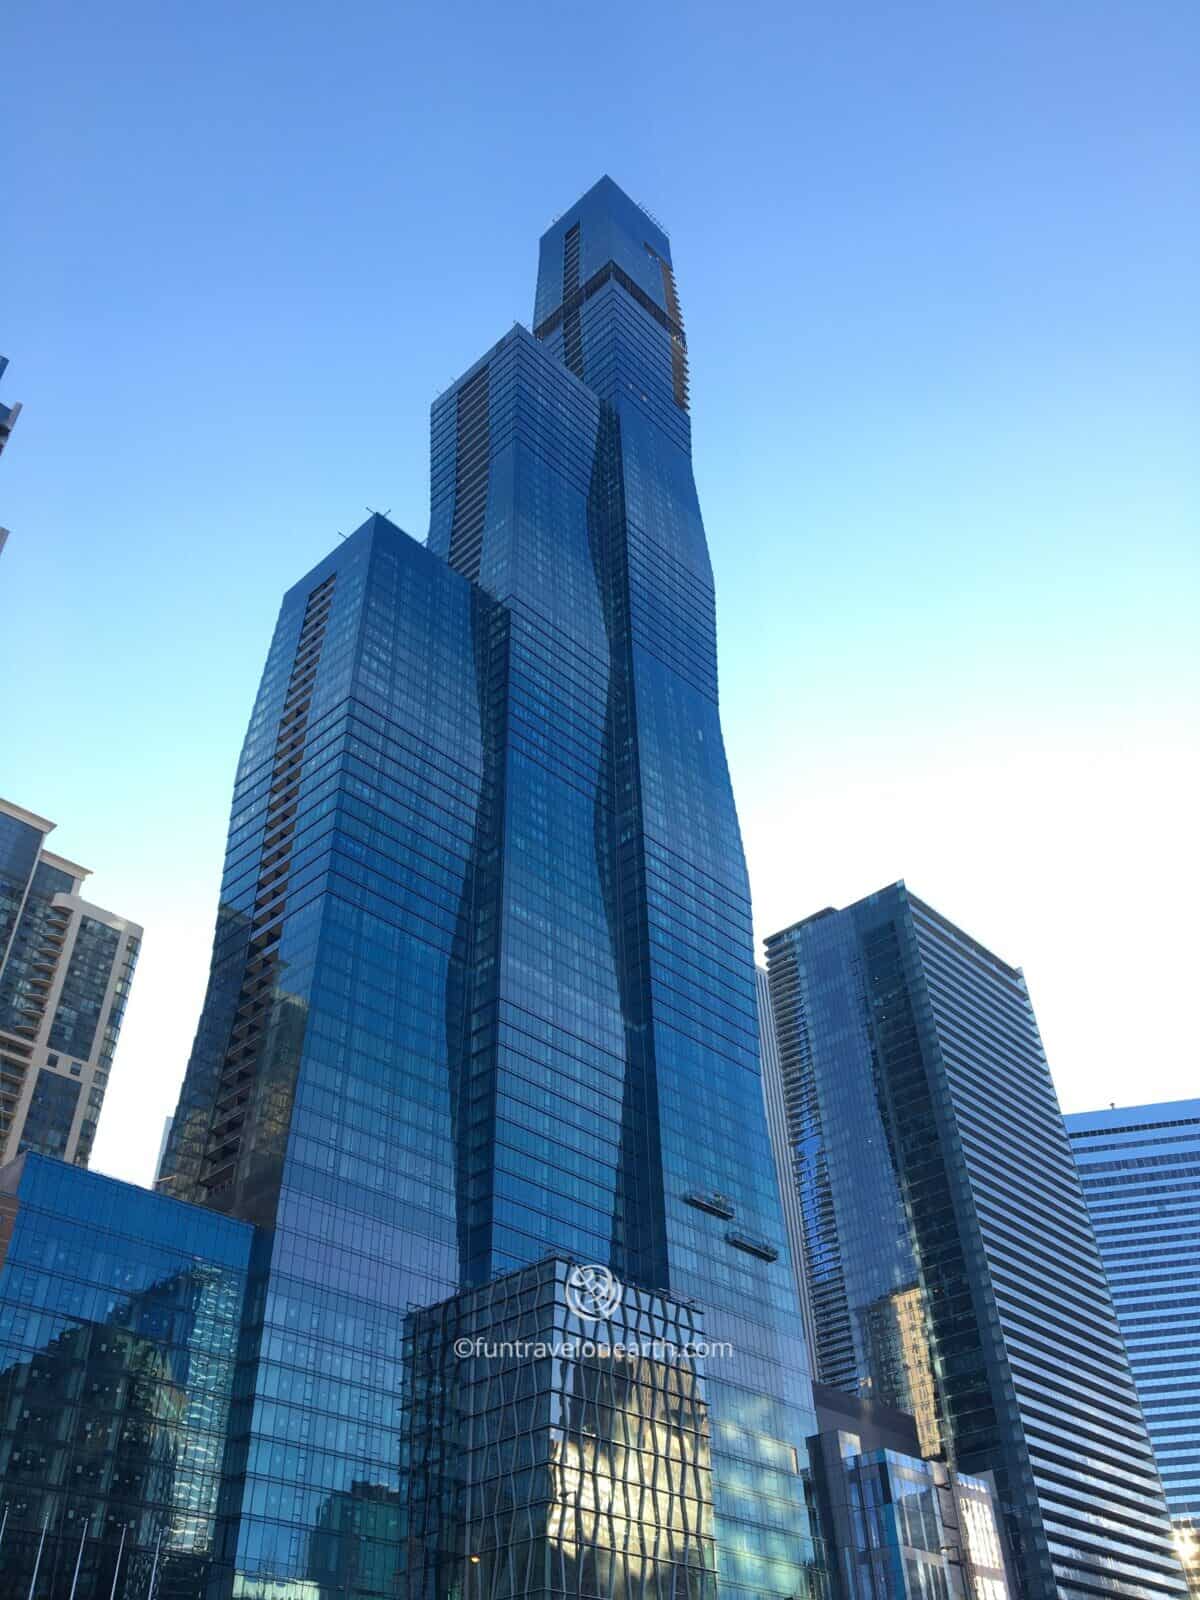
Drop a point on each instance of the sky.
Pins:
(939, 269)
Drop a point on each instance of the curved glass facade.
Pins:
(483, 982)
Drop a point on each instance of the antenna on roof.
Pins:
(653, 218)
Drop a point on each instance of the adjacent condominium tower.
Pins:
(951, 1264)
(65, 971)
(1140, 1168)
(483, 995)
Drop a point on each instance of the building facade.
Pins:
(953, 1269)
(1140, 1170)
(120, 1313)
(775, 1102)
(575, 1449)
(863, 1289)
(483, 982)
(65, 971)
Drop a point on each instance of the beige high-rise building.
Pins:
(65, 971)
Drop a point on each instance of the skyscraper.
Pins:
(1140, 1169)
(65, 971)
(483, 982)
(952, 1265)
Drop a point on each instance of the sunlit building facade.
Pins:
(574, 1450)
(953, 1269)
(1140, 1170)
(483, 983)
(66, 967)
(898, 1526)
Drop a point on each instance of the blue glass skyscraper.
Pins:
(952, 1265)
(1140, 1169)
(483, 983)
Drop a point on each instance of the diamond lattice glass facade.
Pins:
(483, 981)
(952, 1262)
(1140, 1169)
(573, 1452)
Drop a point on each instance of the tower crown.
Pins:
(603, 226)
(596, 263)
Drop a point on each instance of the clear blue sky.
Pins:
(939, 265)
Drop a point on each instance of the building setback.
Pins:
(952, 1266)
(65, 971)
(1140, 1169)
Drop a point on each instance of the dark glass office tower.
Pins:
(1140, 1169)
(483, 982)
(952, 1264)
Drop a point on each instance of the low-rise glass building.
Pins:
(120, 1313)
(896, 1526)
